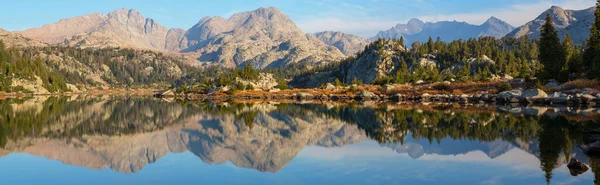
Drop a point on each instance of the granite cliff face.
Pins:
(264, 38)
(121, 28)
(127, 28)
(374, 63)
(347, 43)
(575, 22)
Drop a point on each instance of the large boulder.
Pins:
(552, 84)
(388, 88)
(587, 98)
(219, 89)
(330, 86)
(576, 167)
(367, 96)
(511, 94)
(304, 96)
(534, 94)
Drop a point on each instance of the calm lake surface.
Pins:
(143, 140)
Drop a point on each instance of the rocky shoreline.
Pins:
(516, 96)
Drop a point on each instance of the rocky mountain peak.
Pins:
(271, 19)
(415, 21)
(265, 37)
(493, 20)
(575, 22)
(496, 27)
(347, 43)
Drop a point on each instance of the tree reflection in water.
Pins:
(550, 135)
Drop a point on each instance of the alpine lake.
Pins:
(113, 140)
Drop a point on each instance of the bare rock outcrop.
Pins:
(374, 63)
(17, 40)
(347, 43)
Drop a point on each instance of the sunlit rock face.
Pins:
(264, 37)
(576, 23)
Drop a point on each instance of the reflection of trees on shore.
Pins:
(557, 135)
(59, 117)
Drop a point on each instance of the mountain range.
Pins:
(266, 37)
(575, 22)
(417, 30)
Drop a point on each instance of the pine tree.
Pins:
(568, 51)
(591, 54)
(402, 75)
(402, 42)
(551, 51)
(568, 47)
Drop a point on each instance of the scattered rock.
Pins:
(73, 88)
(534, 94)
(446, 82)
(587, 97)
(388, 88)
(572, 91)
(419, 82)
(507, 77)
(219, 89)
(518, 80)
(552, 84)
(304, 95)
(274, 90)
(167, 93)
(330, 86)
(366, 95)
(510, 94)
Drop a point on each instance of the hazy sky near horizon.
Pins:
(361, 17)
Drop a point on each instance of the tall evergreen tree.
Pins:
(568, 50)
(591, 54)
(402, 42)
(551, 51)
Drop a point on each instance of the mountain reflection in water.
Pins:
(125, 134)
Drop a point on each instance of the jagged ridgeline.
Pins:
(390, 61)
(52, 69)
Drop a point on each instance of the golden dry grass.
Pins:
(582, 84)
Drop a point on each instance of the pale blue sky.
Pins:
(361, 17)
